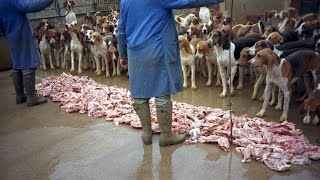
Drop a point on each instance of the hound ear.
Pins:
(187, 47)
(224, 42)
(281, 40)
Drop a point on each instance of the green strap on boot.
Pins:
(29, 86)
(143, 111)
(164, 117)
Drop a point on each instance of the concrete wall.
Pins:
(251, 7)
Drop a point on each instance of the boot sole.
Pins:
(29, 104)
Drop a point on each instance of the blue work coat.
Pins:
(15, 26)
(147, 36)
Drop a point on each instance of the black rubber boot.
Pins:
(29, 85)
(143, 111)
(17, 78)
(164, 117)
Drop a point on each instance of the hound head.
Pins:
(283, 15)
(227, 31)
(193, 30)
(88, 35)
(112, 49)
(218, 38)
(268, 30)
(202, 49)
(84, 28)
(266, 57)
(96, 38)
(204, 28)
(271, 14)
(260, 45)
(184, 44)
(312, 101)
(227, 20)
(244, 57)
(275, 38)
(107, 27)
(43, 24)
(53, 36)
(305, 28)
(190, 17)
(42, 33)
(69, 4)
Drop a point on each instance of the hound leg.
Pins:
(114, 68)
(118, 68)
(233, 73)
(274, 93)
(58, 57)
(184, 71)
(103, 64)
(307, 88)
(209, 73)
(223, 74)
(315, 120)
(106, 66)
(218, 83)
(193, 77)
(286, 94)
(72, 61)
(267, 93)
(86, 59)
(280, 99)
(64, 63)
(203, 68)
(80, 62)
(241, 72)
(50, 59)
(98, 65)
(257, 85)
(43, 57)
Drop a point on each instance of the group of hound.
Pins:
(94, 43)
(280, 49)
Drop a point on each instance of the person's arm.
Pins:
(31, 6)
(121, 36)
(182, 4)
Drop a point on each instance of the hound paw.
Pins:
(72, 69)
(185, 86)
(306, 119)
(79, 71)
(218, 84)
(222, 95)
(208, 84)
(118, 74)
(239, 86)
(315, 121)
(278, 108)
(254, 97)
(283, 118)
(260, 114)
(98, 73)
(107, 75)
(261, 99)
(52, 67)
(272, 103)
(300, 99)
(194, 88)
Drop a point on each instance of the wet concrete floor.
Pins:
(42, 142)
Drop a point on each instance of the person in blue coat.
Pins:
(15, 26)
(148, 45)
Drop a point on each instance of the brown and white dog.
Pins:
(45, 47)
(71, 16)
(187, 55)
(224, 50)
(275, 38)
(311, 107)
(203, 50)
(287, 22)
(114, 56)
(284, 72)
(185, 21)
(76, 45)
(100, 51)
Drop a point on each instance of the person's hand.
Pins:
(124, 62)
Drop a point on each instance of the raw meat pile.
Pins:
(277, 145)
